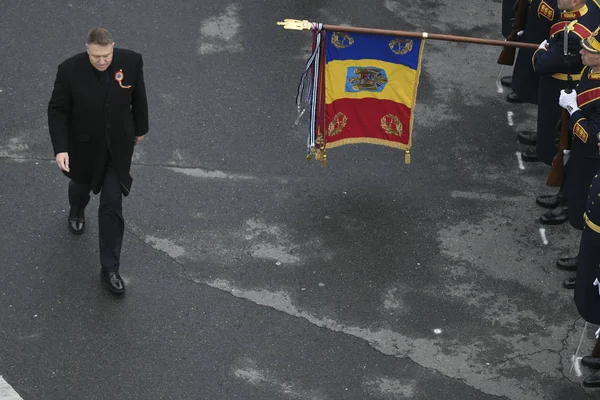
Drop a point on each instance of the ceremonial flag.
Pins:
(364, 88)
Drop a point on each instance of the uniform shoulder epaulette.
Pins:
(580, 131)
(574, 27)
(545, 10)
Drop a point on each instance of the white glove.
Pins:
(543, 45)
(568, 101)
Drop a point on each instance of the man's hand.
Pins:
(543, 45)
(138, 139)
(62, 159)
(568, 101)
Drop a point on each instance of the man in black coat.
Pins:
(97, 113)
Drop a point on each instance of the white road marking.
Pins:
(543, 235)
(576, 366)
(521, 165)
(509, 116)
(7, 392)
(203, 173)
(498, 84)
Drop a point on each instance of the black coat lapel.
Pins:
(112, 69)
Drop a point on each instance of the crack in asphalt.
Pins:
(572, 330)
(509, 359)
(185, 275)
(171, 166)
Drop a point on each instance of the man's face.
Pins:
(590, 59)
(100, 56)
(567, 5)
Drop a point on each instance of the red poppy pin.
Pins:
(119, 76)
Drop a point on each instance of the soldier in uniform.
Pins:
(508, 20)
(550, 62)
(587, 296)
(584, 107)
(541, 15)
(584, 160)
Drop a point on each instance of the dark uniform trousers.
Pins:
(111, 224)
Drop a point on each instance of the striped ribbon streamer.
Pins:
(311, 74)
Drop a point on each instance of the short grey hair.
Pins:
(100, 36)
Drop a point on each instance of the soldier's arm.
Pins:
(139, 103)
(58, 112)
(586, 129)
(549, 61)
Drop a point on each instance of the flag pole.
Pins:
(304, 25)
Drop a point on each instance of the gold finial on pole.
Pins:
(295, 24)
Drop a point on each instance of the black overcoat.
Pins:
(508, 15)
(85, 122)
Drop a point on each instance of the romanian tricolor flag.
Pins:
(364, 90)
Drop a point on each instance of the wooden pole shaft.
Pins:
(433, 36)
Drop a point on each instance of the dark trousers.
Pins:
(111, 224)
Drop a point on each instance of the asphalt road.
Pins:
(254, 274)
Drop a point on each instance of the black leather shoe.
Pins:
(592, 380)
(513, 98)
(529, 155)
(549, 200)
(569, 283)
(506, 81)
(113, 281)
(527, 137)
(591, 362)
(76, 222)
(567, 263)
(557, 216)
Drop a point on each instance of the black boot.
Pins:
(592, 380)
(76, 221)
(549, 200)
(529, 155)
(527, 137)
(567, 263)
(569, 283)
(557, 216)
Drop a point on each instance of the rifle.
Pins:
(507, 56)
(557, 173)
